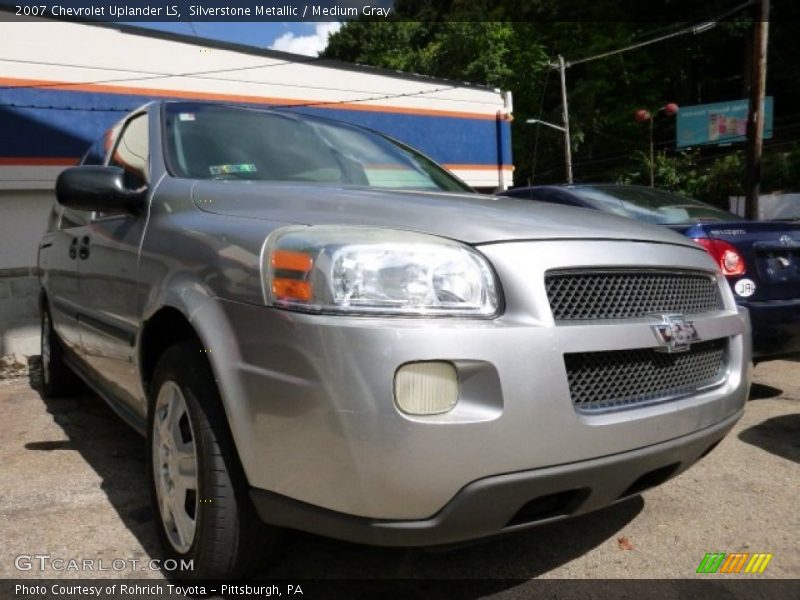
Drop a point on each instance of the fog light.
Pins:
(426, 388)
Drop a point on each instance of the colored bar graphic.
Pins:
(758, 563)
(711, 562)
(741, 562)
(720, 562)
(734, 562)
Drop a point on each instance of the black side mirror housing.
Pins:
(99, 189)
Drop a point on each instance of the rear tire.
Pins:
(199, 491)
(58, 380)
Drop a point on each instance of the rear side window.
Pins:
(526, 193)
(558, 197)
(545, 195)
(653, 205)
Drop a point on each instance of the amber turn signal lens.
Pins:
(291, 261)
(291, 289)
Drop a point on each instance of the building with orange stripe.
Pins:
(63, 83)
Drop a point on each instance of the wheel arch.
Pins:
(166, 327)
(189, 313)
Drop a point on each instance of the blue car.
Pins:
(761, 259)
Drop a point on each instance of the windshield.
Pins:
(652, 205)
(222, 142)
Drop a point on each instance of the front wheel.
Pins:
(199, 491)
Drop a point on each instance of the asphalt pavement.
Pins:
(72, 485)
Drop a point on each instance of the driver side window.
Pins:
(132, 153)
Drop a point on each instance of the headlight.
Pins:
(376, 271)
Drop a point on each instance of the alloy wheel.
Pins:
(175, 466)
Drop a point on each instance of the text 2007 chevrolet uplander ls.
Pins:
(318, 328)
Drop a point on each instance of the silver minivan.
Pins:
(319, 328)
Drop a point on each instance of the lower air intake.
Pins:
(600, 381)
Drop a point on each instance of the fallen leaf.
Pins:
(624, 543)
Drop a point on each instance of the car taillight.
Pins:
(725, 255)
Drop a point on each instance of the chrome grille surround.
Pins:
(619, 379)
(591, 294)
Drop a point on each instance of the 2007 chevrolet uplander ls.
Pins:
(318, 328)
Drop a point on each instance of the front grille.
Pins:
(622, 294)
(601, 381)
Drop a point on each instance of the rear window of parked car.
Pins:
(652, 205)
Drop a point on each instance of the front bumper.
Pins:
(776, 327)
(508, 502)
(310, 397)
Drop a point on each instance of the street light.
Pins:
(553, 125)
(567, 153)
(642, 115)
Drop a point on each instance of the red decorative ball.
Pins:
(671, 109)
(641, 115)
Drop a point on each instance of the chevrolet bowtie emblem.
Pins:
(674, 333)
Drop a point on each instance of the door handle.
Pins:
(83, 249)
(73, 248)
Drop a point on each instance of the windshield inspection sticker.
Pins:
(745, 288)
(224, 169)
(186, 116)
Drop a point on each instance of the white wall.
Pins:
(23, 220)
(124, 60)
(770, 206)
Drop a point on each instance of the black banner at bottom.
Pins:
(408, 589)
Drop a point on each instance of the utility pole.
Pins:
(652, 155)
(562, 66)
(755, 117)
(565, 117)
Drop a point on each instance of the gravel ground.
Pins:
(13, 367)
(72, 485)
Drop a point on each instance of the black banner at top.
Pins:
(675, 11)
(197, 10)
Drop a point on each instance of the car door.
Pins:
(108, 271)
(58, 262)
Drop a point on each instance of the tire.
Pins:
(58, 380)
(215, 525)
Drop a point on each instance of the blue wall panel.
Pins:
(45, 123)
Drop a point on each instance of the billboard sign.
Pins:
(719, 123)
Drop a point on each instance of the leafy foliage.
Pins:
(512, 45)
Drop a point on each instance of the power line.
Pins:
(150, 74)
(385, 97)
(202, 75)
(266, 106)
(696, 28)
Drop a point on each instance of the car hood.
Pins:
(470, 218)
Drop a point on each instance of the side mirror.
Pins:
(98, 188)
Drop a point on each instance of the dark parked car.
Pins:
(761, 259)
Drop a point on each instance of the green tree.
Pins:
(511, 44)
